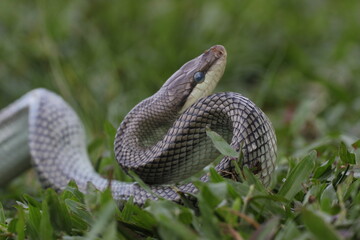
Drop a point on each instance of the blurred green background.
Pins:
(297, 60)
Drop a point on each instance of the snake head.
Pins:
(196, 78)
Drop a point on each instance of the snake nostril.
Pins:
(218, 50)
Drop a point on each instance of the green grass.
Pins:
(297, 60)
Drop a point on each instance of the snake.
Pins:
(163, 139)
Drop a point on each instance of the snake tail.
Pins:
(14, 133)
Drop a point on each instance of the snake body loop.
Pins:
(163, 139)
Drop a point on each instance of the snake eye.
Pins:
(199, 77)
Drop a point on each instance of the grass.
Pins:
(297, 60)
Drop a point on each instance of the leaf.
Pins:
(251, 179)
(318, 227)
(215, 176)
(34, 221)
(208, 223)
(128, 210)
(72, 192)
(328, 198)
(105, 216)
(352, 190)
(324, 168)
(186, 216)
(46, 229)
(221, 145)
(135, 215)
(59, 213)
(298, 175)
(32, 201)
(20, 223)
(110, 232)
(213, 193)
(170, 217)
(79, 210)
(345, 155)
(171, 229)
(12, 224)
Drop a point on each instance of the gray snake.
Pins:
(162, 139)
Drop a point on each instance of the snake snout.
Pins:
(218, 50)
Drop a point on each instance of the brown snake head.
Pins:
(196, 78)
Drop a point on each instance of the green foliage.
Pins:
(297, 60)
(297, 176)
(220, 144)
(301, 205)
(318, 227)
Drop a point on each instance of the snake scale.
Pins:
(162, 139)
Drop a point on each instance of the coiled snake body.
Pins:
(163, 139)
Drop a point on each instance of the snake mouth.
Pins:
(212, 62)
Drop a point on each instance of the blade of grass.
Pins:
(220, 144)
(318, 227)
(105, 215)
(297, 176)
